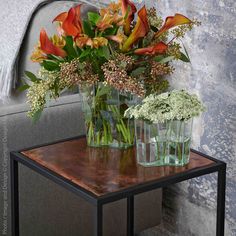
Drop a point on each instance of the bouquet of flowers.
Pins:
(117, 47)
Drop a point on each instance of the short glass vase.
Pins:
(151, 143)
(179, 135)
(103, 108)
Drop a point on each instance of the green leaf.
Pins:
(50, 65)
(85, 53)
(23, 87)
(153, 28)
(103, 90)
(31, 76)
(110, 31)
(158, 58)
(166, 59)
(37, 115)
(184, 58)
(93, 17)
(186, 52)
(127, 12)
(98, 124)
(87, 28)
(138, 71)
(51, 56)
(69, 47)
(104, 52)
(107, 116)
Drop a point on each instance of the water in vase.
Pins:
(179, 152)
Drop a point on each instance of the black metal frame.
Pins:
(128, 193)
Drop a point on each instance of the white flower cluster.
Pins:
(38, 92)
(174, 105)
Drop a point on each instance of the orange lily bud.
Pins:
(61, 17)
(140, 30)
(71, 21)
(77, 21)
(171, 22)
(125, 5)
(159, 48)
(48, 47)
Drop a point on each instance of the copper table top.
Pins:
(103, 170)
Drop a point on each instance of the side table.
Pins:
(103, 175)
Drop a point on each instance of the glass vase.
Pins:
(151, 143)
(104, 108)
(179, 141)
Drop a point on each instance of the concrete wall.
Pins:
(189, 208)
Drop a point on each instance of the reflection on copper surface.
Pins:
(103, 170)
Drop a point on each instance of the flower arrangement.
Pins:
(163, 126)
(174, 105)
(121, 47)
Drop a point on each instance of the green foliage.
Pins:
(154, 29)
(57, 58)
(138, 71)
(23, 87)
(184, 58)
(110, 31)
(166, 59)
(32, 77)
(87, 28)
(103, 52)
(93, 17)
(103, 90)
(158, 58)
(50, 65)
(85, 53)
(107, 116)
(69, 48)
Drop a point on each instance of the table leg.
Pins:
(14, 197)
(220, 223)
(130, 216)
(98, 220)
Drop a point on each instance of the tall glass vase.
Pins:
(179, 141)
(151, 143)
(105, 124)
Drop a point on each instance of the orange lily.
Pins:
(105, 22)
(38, 55)
(119, 37)
(173, 21)
(61, 17)
(83, 40)
(48, 47)
(71, 21)
(159, 48)
(140, 30)
(125, 5)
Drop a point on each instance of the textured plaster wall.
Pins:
(189, 207)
